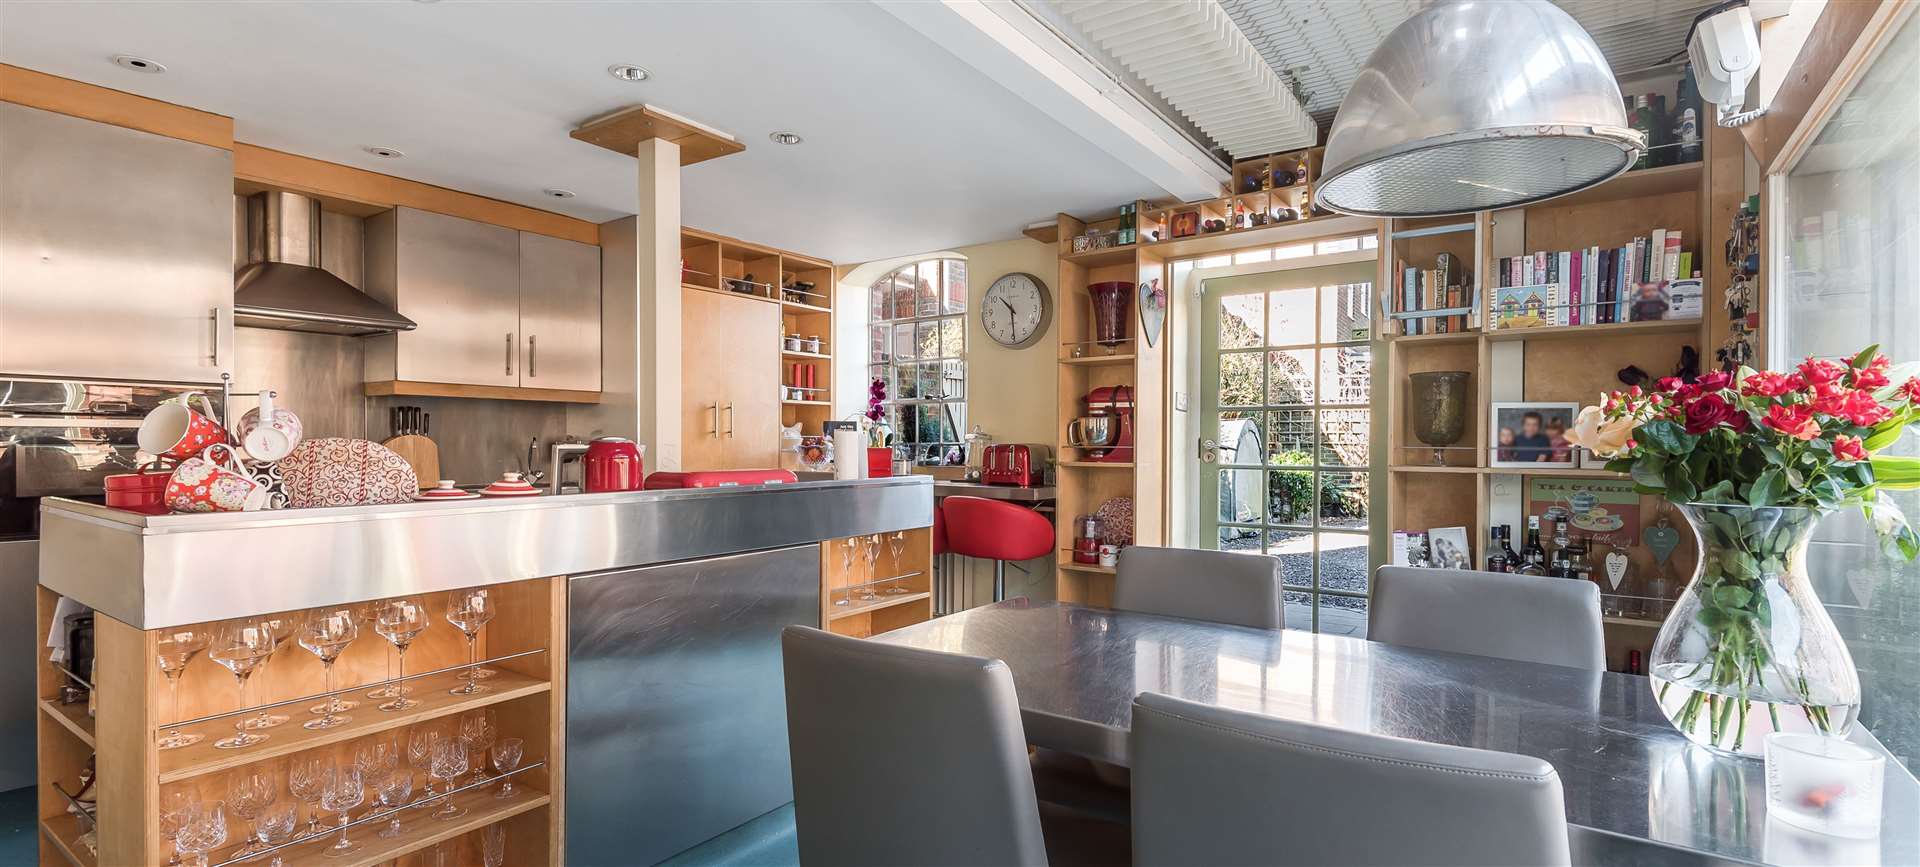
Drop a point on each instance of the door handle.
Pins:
(729, 419)
(1209, 451)
(509, 353)
(533, 366)
(716, 419)
(218, 317)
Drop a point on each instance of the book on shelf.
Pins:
(1444, 287)
(1648, 279)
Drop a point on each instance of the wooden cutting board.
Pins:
(419, 452)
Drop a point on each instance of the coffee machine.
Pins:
(1105, 433)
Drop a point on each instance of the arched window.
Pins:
(917, 348)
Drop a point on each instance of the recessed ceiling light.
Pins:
(785, 138)
(558, 193)
(386, 153)
(628, 72)
(138, 64)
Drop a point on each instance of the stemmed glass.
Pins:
(394, 787)
(468, 610)
(421, 743)
(449, 763)
(307, 780)
(250, 791)
(400, 621)
(369, 614)
(478, 729)
(345, 790)
(493, 845)
(506, 758)
(325, 634)
(276, 826)
(870, 549)
(176, 807)
(897, 543)
(173, 651)
(846, 568)
(240, 646)
(282, 628)
(205, 829)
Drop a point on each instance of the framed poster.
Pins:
(1607, 511)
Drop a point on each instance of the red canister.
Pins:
(614, 464)
(143, 491)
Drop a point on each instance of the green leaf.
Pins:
(1731, 596)
(1721, 492)
(1647, 473)
(1897, 539)
(1865, 356)
(1896, 472)
(1665, 436)
(1766, 489)
(1773, 454)
(1679, 483)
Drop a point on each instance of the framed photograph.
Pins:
(1532, 434)
(1449, 548)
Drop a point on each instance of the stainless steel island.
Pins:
(675, 725)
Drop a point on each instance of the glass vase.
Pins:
(1748, 649)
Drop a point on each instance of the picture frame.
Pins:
(1449, 548)
(1531, 434)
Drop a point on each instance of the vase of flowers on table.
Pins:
(1755, 459)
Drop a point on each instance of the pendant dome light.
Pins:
(1475, 105)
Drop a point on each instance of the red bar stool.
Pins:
(997, 531)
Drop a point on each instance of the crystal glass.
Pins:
(205, 829)
(369, 614)
(449, 763)
(846, 568)
(241, 646)
(1825, 784)
(896, 544)
(869, 549)
(1748, 650)
(250, 791)
(277, 825)
(493, 845)
(400, 621)
(173, 650)
(176, 807)
(345, 790)
(376, 755)
(421, 742)
(506, 754)
(325, 634)
(282, 627)
(478, 729)
(468, 610)
(307, 780)
(393, 787)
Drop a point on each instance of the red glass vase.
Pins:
(1112, 301)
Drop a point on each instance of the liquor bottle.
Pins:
(1496, 557)
(1506, 546)
(1686, 117)
(1662, 123)
(1560, 539)
(1640, 118)
(1533, 557)
(1578, 568)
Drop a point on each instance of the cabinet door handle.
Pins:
(533, 365)
(729, 419)
(716, 419)
(214, 318)
(509, 353)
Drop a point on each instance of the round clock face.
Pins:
(1016, 309)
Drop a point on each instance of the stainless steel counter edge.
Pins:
(157, 571)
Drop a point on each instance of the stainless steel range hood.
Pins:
(283, 286)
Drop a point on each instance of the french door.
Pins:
(1285, 400)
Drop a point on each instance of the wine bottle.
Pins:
(1686, 117)
(1641, 118)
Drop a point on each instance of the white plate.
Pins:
(491, 493)
(463, 495)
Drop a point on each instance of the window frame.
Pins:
(882, 340)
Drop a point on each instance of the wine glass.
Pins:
(176, 807)
(420, 746)
(468, 610)
(449, 763)
(282, 628)
(846, 568)
(493, 845)
(240, 646)
(173, 651)
(376, 755)
(369, 614)
(277, 824)
(325, 634)
(394, 787)
(204, 829)
(400, 621)
(479, 729)
(250, 791)
(506, 758)
(897, 543)
(345, 790)
(307, 780)
(870, 549)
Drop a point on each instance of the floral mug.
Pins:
(174, 430)
(214, 481)
(267, 433)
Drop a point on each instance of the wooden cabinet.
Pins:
(507, 313)
(730, 391)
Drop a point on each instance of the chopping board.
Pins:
(411, 443)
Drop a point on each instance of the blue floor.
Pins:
(19, 827)
(767, 841)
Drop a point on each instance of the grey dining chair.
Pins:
(1526, 617)
(1210, 784)
(904, 756)
(1216, 586)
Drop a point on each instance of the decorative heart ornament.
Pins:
(1662, 539)
(1616, 569)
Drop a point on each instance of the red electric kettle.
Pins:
(613, 464)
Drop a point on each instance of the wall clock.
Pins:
(1016, 309)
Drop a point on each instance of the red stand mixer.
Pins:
(1105, 433)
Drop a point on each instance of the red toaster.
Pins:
(1021, 464)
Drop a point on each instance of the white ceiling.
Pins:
(908, 149)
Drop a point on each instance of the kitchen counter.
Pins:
(165, 570)
(1011, 493)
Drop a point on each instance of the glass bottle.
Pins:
(1496, 557)
(1506, 545)
(1533, 557)
(1640, 118)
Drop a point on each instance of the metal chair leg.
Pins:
(999, 580)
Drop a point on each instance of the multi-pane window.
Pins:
(1294, 375)
(917, 348)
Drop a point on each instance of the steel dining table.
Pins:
(1637, 791)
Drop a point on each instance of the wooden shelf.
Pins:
(1455, 337)
(1104, 256)
(800, 307)
(290, 737)
(1097, 465)
(1270, 235)
(72, 717)
(853, 609)
(419, 830)
(1099, 360)
(1682, 178)
(728, 292)
(1431, 468)
(1066, 562)
(1633, 621)
(1612, 329)
(1564, 472)
(407, 388)
(63, 834)
(795, 353)
(622, 131)
(806, 403)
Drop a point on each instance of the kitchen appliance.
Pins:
(283, 286)
(1114, 403)
(1086, 540)
(613, 464)
(1020, 464)
(719, 479)
(1448, 118)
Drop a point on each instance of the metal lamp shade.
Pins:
(1471, 106)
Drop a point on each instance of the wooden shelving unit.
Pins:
(526, 694)
(840, 582)
(717, 263)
